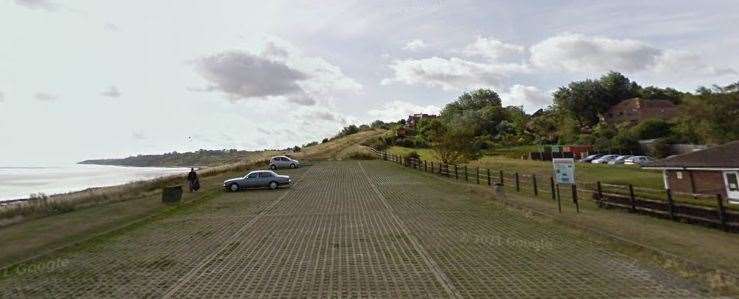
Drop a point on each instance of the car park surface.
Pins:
(350, 229)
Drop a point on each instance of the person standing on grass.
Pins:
(192, 180)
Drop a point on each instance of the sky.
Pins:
(103, 79)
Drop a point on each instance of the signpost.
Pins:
(564, 170)
(564, 173)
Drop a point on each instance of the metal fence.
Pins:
(708, 210)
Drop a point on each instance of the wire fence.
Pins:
(709, 210)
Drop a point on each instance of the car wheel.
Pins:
(273, 167)
(273, 185)
(233, 187)
(292, 165)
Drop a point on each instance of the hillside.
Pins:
(174, 159)
(210, 158)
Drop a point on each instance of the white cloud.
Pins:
(415, 45)
(580, 53)
(530, 97)
(586, 54)
(46, 97)
(38, 4)
(396, 110)
(2, 97)
(451, 74)
(677, 62)
(492, 49)
(111, 92)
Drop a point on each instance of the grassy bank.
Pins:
(585, 172)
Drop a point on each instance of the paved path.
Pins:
(347, 229)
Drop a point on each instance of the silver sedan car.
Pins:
(283, 162)
(257, 179)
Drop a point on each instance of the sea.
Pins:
(20, 181)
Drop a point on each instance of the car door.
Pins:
(252, 180)
(264, 179)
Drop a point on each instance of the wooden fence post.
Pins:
(631, 198)
(551, 185)
(432, 166)
(670, 204)
(518, 188)
(559, 200)
(574, 198)
(456, 173)
(502, 183)
(721, 212)
(600, 194)
(533, 180)
(477, 174)
(489, 181)
(466, 179)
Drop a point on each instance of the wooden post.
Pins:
(477, 174)
(600, 193)
(574, 198)
(551, 185)
(466, 179)
(489, 181)
(559, 200)
(518, 188)
(533, 180)
(432, 166)
(456, 173)
(721, 212)
(502, 183)
(631, 198)
(670, 204)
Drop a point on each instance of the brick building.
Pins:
(637, 109)
(415, 118)
(711, 171)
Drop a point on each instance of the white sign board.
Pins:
(564, 170)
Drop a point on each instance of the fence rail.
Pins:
(677, 206)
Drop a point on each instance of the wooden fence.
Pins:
(708, 210)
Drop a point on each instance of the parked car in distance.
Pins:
(604, 159)
(590, 158)
(619, 160)
(283, 162)
(640, 160)
(257, 179)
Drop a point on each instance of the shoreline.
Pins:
(93, 189)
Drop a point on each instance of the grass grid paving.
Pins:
(332, 235)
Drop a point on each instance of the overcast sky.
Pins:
(93, 79)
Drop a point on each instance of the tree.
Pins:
(709, 117)
(471, 101)
(452, 144)
(584, 101)
(651, 129)
(656, 93)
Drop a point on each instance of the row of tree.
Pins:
(477, 121)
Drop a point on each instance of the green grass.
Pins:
(584, 172)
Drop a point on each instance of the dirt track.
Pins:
(347, 229)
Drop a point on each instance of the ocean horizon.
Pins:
(19, 181)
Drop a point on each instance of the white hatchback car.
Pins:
(283, 162)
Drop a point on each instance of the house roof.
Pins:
(722, 156)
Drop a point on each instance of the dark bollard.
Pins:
(171, 194)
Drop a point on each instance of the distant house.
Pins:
(710, 171)
(415, 118)
(637, 109)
